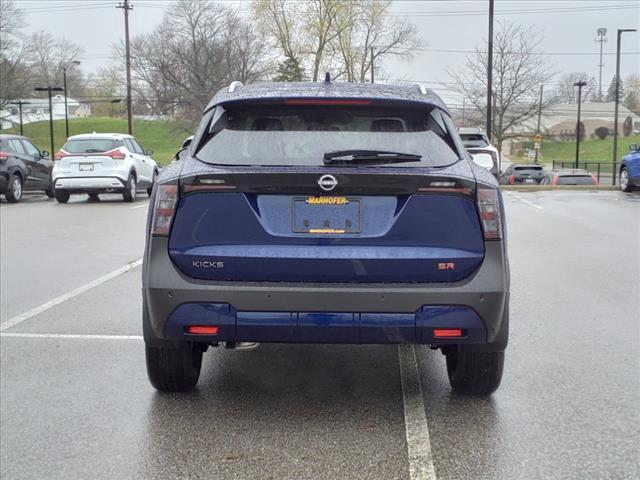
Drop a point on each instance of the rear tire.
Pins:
(93, 197)
(173, 369)
(62, 196)
(129, 194)
(474, 373)
(49, 191)
(625, 184)
(13, 193)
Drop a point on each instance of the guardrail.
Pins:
(602, 170)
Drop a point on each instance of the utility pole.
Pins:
(579, 84)
(64, 81)
(537, 146)
(371, 64)
(50, 89)
(126, 7)
(615, 115)
(464, 100)
(20, 103)
(601, 34)
(490, 70)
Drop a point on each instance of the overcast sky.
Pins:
(443, 25)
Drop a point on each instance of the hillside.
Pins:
(590, 150)
(163, 137)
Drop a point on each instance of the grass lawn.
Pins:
(163, 137)
(590, 150)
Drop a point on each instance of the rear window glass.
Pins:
(575, 180)
(536, 168)
(473, 140)
(12, 145)
(288, 135)
(91, 145)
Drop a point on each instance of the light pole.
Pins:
(20, 103)
(49, 90)
(490, 71)
(601, 33)
(615, 115)
(579, 84)
(64, 81)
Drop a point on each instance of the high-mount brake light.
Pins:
(325, 101)
(164, 209)
(488, 204)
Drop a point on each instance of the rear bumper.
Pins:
(90, 184)
(373, 313)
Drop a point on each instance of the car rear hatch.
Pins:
(528, 174)
(360, 219)
(90, 156)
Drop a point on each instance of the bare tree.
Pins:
(566, 92)
(14, 50)
(518, 72)
(209, 46)
(370, 35)
(49, 56)
(335, 34)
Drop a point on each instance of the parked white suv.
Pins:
(102, 163)
(477, 143)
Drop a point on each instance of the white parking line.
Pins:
(12, 322)
(70, 335)
(524, 200)
(415, 419)
(140, 206)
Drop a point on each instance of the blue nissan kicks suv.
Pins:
(326, 213)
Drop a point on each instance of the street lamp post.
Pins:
(20, 103)
(579, 84)
(615, 115)
(49, 90)
(64, 81)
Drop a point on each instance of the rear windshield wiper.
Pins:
(369, 157)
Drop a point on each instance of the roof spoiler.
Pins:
(234, 85)
(421, 88)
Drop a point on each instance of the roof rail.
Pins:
(421, 88)
(234, 85)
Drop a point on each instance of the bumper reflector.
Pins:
(447, 333)
(201, 330)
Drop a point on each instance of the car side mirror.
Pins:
(45, 154)
(633, 147)
(148, 152)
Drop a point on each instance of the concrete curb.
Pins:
(542, 188)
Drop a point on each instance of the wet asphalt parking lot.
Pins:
(76, 403)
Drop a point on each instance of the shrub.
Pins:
(602, 132)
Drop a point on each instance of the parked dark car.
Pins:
(326, 213)
(517, 174)
(23, 168)
(569, 177)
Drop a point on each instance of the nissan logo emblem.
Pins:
(327, 182)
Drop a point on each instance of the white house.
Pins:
(37, 109)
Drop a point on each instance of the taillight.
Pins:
(164, 209)
(4, 155)
(512, 179)
(595, 180)
(115, 154)
(489, 209)
(60, 155)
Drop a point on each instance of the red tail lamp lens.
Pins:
(201, 330)
(447, 332)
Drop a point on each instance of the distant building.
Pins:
(559, 121)
(37, 110)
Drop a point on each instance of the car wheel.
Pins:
(49, 191)
(153, 182)
(625, 184)
(173, 369)
(14, 189)
(129, 194)
(474, 373)
(61, 196)
(93, 197)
